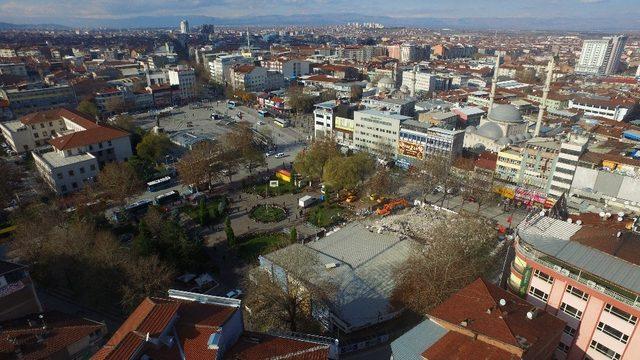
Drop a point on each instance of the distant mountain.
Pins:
(10, 26)
(619, 23)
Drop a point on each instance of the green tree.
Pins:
(143, 242)
(348, 172)
(203, 213)
(153, 147)
(88, 108)
(293, 235)
(311, 162)
(228, 230)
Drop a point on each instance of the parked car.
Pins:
(280, 155)
(234, 294)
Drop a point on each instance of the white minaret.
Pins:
(545, 94)
(492, 96)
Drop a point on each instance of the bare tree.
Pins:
(199, 165)
(241, 141)
(383, 182)
(279, 301)
(432, 172)
(119, 181)
(455, 253)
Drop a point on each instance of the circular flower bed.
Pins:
(268, 213)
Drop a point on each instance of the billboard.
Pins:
(411, 149)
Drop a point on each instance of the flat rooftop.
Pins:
(55, 160)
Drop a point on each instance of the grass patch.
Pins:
(193, 211)
(268, 213)
(263, 189)
(325, 215)
(250, 248)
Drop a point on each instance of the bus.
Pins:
(167, 198)
(281, 122)
(231, 104)
(263, 113)
(132, 210)
(159, 184)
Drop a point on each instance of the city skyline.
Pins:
(608, 13)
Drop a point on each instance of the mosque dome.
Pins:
(471, 129)
(506, 113)
(490, 130)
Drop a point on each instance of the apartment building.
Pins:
(418, 81)
(481, 321)
(13, 69)
(289, 68)
(324, 118)
(80, 146)
(417, 141)
(185, 79)
(581, 268)
(23, 101)
(254, 78)
(219, 68)
(189, 325)
(110, 101)
(377, 131)
(404, 107)
(17, 293)
(50, 335)
(566, 165)
(610, 109)
(601, 56)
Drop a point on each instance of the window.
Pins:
(542, 276)
(571, 311)
(74, 185)
(538, 294)
(92, 167)
(71, 173)
(621, 314)
(42, 125)
(63, 188)
(36, 135)
(563, 347)
(604, 350)
(59, 175)
(577, 292)
(82, 170)
(613, 332)
(569, 331)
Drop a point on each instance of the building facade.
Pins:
(377, 131)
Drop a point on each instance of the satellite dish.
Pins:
(620, 218)
(542, 213)
(569, 220)
(530, 315)
(579, 222)
(602, 214)
(502, 302)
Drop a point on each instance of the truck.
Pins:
(306, 201)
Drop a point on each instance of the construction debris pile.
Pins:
(416, 222)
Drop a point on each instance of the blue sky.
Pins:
(14, 10)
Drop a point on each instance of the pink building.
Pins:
(585, 270)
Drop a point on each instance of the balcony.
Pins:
(583, 278)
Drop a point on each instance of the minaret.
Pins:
(248, 40)
(545, 94)
(492, 96)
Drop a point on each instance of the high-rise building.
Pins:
(601, 56)
(184, 27)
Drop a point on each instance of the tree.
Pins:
(383, 182)
(456, 252)
(355, 92)
(146, 276)
(153, 147)
(282, 303)
(200, 165)
(300, 102)
(124, 122)
(310, 162)
(293, 235)
(228, 230)
(347, 172)
(143, 243)
(203, 213)
(119, 181)
(242, 143)
(88, 108)
(9, 182)
(432, 172)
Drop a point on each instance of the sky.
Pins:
(20, 11)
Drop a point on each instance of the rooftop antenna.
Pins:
(545, 94)
(492, 96)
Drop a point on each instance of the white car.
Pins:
(267, 154)
(280, 155)
(234, 294)
(260, 122)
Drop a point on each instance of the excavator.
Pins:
(389, 207)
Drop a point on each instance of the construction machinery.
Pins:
(392, 205)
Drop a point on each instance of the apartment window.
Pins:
(571, 311)
(613, 332)
(610, 354)
(63, 188)
(538, 294)
(36, 135)
(563, 347)
(621, 314)
(71, 173)
(569, 331)
(577, 292)
(109, 142)
(50, 123)
(100, 145)
(92, 167)
(82, 170)
(90, 147)
(74, 185)
(42, 125)
(542, 276)
(59, 175)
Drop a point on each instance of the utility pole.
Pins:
(492, 96)
(545, 94)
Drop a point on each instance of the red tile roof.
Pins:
(152, 316)
(466, 348)
(61, 331)
(87, 137)
(257, 346)
(476, 309)
(57, 114)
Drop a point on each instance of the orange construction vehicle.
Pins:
(392, 205)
